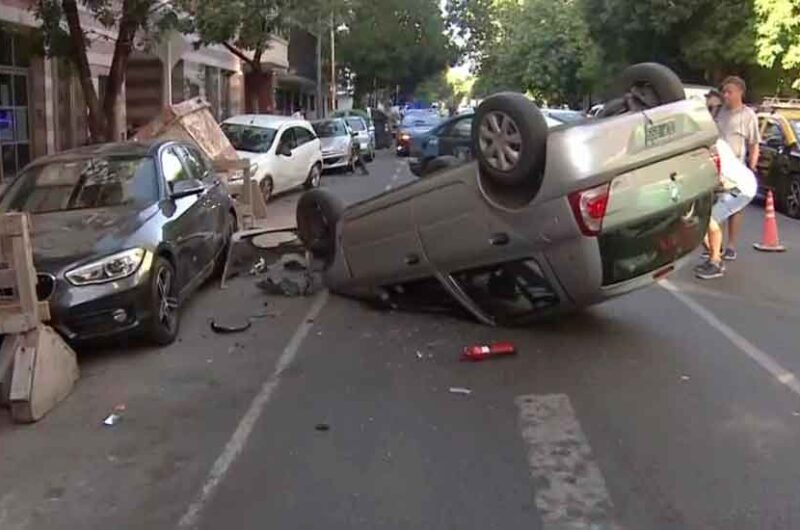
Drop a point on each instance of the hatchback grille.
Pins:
(45, 285)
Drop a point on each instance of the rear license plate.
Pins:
(659, 132)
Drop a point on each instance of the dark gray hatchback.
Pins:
(122, 234)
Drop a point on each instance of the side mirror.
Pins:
(284, 150)
(184, 188)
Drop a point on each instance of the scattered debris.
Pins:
(795, 414)
(481, 352)
(419, 355)
(322, 427)
(685, 378)
(265, 314)
(112, 419)
(460, 390)
(293, 262)
(299, 285)
(120, 408)
(223, 328)
(258, 267)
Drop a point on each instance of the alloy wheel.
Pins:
(167, 304)
(500, 141)
(792, 200)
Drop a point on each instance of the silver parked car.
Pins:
(336, 141)
(362, 135)
(544, 219)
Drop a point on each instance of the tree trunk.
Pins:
(319, 107)
(258, 92)
(97, 121)
(128, 25)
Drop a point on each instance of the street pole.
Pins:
(318, 107)
(333, 65)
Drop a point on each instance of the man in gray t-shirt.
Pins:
(738, 126)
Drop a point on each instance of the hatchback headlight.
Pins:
(108, 269)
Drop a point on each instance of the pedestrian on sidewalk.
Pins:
(738, 126)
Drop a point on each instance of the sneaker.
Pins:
(729, 254)
(709, 271)
(701, 266)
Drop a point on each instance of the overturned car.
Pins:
(542, 220)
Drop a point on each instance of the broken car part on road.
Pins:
(545, 220)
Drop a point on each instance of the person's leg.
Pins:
(734, 227)
(713, 268)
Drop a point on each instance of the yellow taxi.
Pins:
(779, 162)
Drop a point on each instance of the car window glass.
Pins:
(772, 130)
(288, 140)
(357, 124)
(302, 136)
(172, 167)
(248, 137)
(87, 183)
(194, 163)
(330, 128)
(508, 291)
(462, 128)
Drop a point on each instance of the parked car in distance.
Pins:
(284, 153)
(453, 138)
(365, 114)
(617, 203)
(779, 160)
(362, 136)
(336, 140)
(122, 234)
(415, 123)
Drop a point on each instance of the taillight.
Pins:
(715, 158)
(589, 208)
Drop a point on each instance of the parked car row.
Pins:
(779, 161)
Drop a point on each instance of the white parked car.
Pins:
(337, 140)
(284, 152)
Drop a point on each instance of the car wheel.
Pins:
(318, 211)
(165, 318)
(510, 137)
(643, 86)
(266, 186)
(791, 197)
(314, 177)
(438, 164)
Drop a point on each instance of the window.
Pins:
(772, 130)
(249, 137)
(462, 128)
(288, 139)
(172, 167)
(195, 163)
(88, 183)
(357, 124)
(330, 128)
(302, 135)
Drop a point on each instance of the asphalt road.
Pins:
(674, 407)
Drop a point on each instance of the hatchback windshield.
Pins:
(87, 183)
(328, 129)
(249, 137)
(421, 120)
(357, 124)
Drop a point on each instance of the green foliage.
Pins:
(394, 42)
(778, 37)
(544, 49)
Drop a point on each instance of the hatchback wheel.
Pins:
(791, 197)
(165, 317)
(314, 177)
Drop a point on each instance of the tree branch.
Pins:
(238, 53)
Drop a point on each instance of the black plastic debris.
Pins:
(322, 427)
(225, 328)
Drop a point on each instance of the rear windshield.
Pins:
(421, 120)
(78, 184)
(328, 129)
(796, 127)
(357, 124)
(249, 137)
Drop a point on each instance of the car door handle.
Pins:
(412, 259)
(499, 239)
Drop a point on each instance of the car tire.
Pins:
(790, 197)
(318, 211)
(165, 318)
(509, 135)
(314, 177)
(267, 187)
(642, 86)
(440, 163)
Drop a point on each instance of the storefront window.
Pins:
(14, 115)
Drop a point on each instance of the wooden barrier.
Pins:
(37, 368)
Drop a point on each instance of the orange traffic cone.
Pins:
(770, 241)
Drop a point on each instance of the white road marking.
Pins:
(245, 427)
(758, 355)
(570, 492)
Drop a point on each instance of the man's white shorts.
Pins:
(729, 203)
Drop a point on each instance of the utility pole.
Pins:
(333, 65)
(318, 107)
